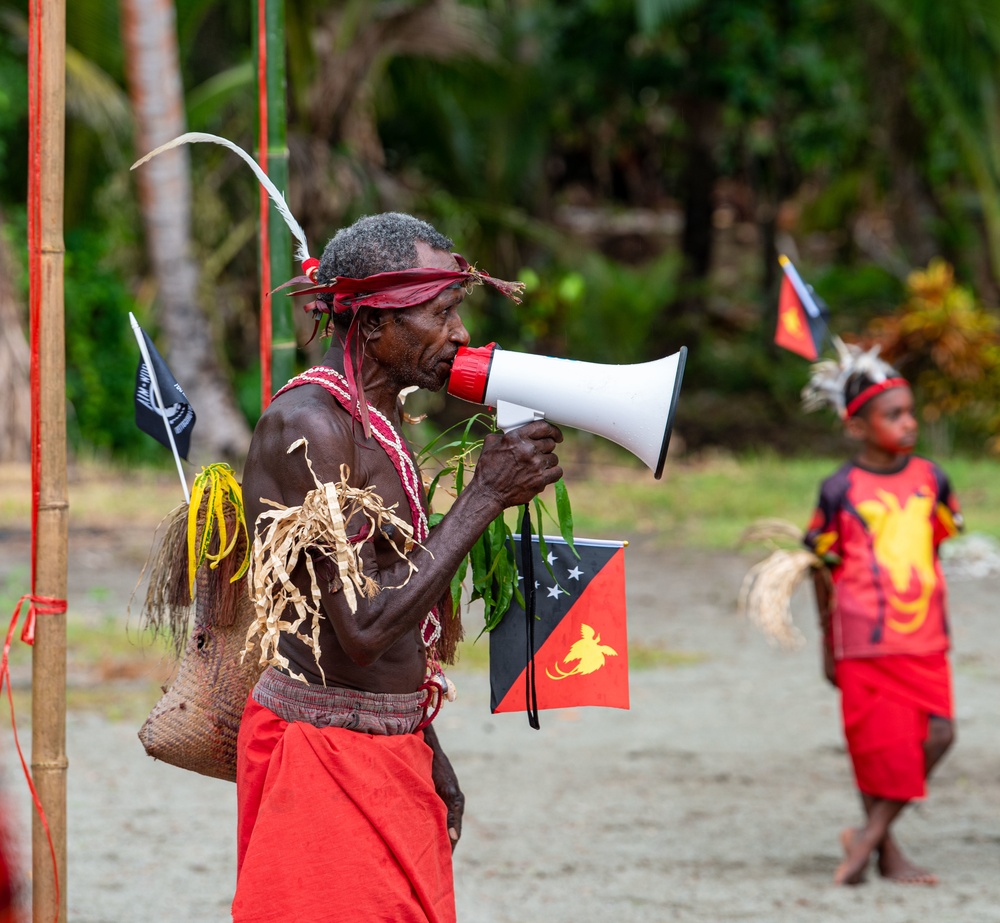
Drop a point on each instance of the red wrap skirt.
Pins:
(886, 704)
(336, 825)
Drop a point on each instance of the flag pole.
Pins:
(277, 333)
(50, 506)
(801, 289)
(160, 406)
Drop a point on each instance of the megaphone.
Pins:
(631, 405)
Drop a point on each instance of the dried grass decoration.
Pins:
(293, 535)
(766, 594)
(184, 539)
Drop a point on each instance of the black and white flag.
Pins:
(177, 413)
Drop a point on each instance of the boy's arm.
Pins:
(824, 602)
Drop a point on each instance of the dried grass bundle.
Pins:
(231, 583)
(166, 610)
(766, 594)
(211, 531)
(771, 531)
(452, 630)
(295, 535)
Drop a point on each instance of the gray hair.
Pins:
(377, 243)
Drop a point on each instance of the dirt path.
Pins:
(718, 796)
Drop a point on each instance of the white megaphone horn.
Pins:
(631, 405)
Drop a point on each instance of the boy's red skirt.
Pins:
(335, 825)
(886, 704)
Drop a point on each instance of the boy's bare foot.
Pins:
(856, 856)
(894, 866)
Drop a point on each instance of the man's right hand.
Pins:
(517, 466)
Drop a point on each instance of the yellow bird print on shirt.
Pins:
(588, 651)
(903, 545)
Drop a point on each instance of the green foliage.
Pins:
(491, 564)
(949, 347)
(101, 355)
(709, 501)
(13, 112)
(548, 106)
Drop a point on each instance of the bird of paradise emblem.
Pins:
(588, 652)
(903, 544)
(792, 322)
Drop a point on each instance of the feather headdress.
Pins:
(309, 264)
(828, 379)
(386, 290)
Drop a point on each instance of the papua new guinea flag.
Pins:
(177, 414)
(580, 634)
(801, 315)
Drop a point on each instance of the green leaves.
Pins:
(564, 513)
(494, 571)
(491, 561)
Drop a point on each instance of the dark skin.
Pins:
(886, 427)
(378, 648)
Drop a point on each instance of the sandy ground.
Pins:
(718, 796)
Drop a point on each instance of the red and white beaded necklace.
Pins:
(386, 436)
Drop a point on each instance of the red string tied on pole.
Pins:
(37, 605)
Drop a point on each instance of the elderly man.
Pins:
(348, 808)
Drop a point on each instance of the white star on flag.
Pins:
(551, 558)
(575, 573)
(555, 592)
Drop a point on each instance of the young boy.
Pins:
(879, 523)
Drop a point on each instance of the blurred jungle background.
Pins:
(640, 164)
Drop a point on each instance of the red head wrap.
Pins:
(404, 288)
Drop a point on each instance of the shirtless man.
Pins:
(346, 812)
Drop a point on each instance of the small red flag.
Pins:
(580, 633)
(801, 324)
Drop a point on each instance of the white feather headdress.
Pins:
(828, 378)
(191, 137)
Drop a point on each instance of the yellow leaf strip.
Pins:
(214, 487)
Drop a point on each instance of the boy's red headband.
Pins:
(873, 391)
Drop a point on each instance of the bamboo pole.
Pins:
(50, 535)
(272, 154)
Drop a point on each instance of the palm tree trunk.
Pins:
(154, 80)
(15, 369)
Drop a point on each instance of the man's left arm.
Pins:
(446, 784)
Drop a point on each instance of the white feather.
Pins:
(829, 377)
(302, 251)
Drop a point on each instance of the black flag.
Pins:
(179, 414)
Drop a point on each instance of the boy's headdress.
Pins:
(850, 381)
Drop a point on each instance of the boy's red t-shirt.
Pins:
(881, 532)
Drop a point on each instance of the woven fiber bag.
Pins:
(195, 724)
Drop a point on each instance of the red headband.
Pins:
(873, 391)
(404, 288)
